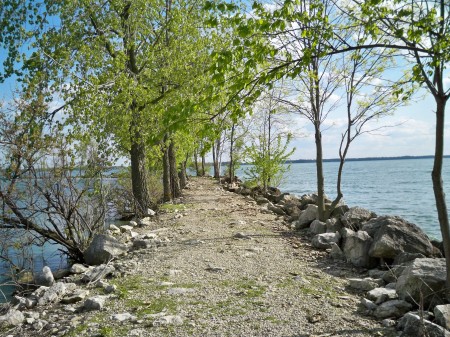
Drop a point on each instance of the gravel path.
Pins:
(228, 270)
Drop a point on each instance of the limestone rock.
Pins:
(78, 269)
(98, 273)
(442, 314)
(336, 253)
(318, 227)
(102, 249)
(276, 209)
(380, 295)
(126, 316)
(415, 326)
(423, 277)
(56, 292)
(356, 249)
(368, 304)
(395, 236)
(323, 241)
(333, 225)
(365, 284)
(356, 216)
(12, 318)
(95, 303)
(45, 278)
(76, 296)
(168, 320)
(306, 217)
(393, 308)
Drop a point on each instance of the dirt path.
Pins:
(228, 270)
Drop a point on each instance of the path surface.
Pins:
(229, 270)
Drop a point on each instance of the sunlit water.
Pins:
(387, 187)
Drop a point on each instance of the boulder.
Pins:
(306, 217)
(365, 284)
(334, 225)
(318, 227)
(102, 249)
(392, 274)
(276, 209)
(98, 273)
(12, 318)
(423, 278)
(405, 257)
(356, 249)
(356, 216)
(413, 325)
(114, 229)
(95, 303)
(55, 292)
(45, 278)
(336, 253)
(339, 211)
(442, 314)
(76, 296)
(324, 240)
(393, 308)
(380, 295)
(78, 269)
(395, 235)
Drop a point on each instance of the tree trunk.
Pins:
(320, 178)
(174, 181)
(182, 175)
(231, 166)
(203, 165)
(197, 172)
(438, 185)
(215, 162)
(167, 196)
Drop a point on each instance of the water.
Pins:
(387, 187)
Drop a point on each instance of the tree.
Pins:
(128, 65)
(267, 148)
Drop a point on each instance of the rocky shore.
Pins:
(218, 263)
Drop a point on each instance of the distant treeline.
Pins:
(362, 159)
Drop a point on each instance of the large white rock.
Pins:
(442, 314)
(306, 217)
(318, 227)
(380, 295)
(393, 308)
(102, 249)
(356, 216)
(12, 318)
(356, 249)
(423, 279)
(45, 278)
(324, 240)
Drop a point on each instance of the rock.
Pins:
(318, 227)
(393, 308)
(405, 257)
(365, 284)
(148, 221)
(114, 229)
(168, 320)
(12, 318)
(356, 249)
(368, 304)
(423, 278)
(98, 273)
(442, 314)
(395, 236)
(103, 249)
(242, 236)
(323, 241)
(150, 212)
(306, 217)
(261, 200)
(95, 303)
(76, 296)
(380, 295)
(356, 216)
(334, 225)
(133, 223)
(387, 323)
(78, 269)
(376, 273)
(126, 316)
(336, 253)
(339, 211)
(56, 292)
(179, 291)
(415, 326)
(126, 229)
(276, 209)
(45, 278)
(393, 273)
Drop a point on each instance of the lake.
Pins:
(400, 187)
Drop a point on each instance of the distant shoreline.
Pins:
(362, 159)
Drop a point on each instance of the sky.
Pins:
(409, 131)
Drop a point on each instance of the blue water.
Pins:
(387, 187)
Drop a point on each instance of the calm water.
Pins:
(387, 187)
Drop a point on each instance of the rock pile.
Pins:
(409, 268)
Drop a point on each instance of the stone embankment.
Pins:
(222, 264)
